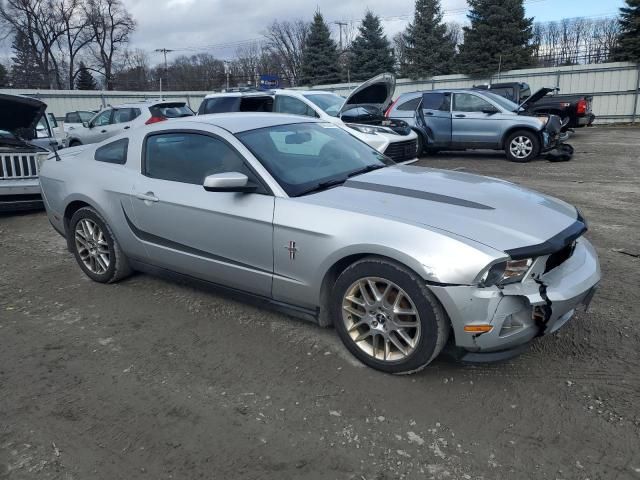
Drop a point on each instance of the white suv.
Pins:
(361, 114)
(114, 120)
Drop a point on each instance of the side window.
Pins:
(436, 101)
(73, 117)
(102, 119)
(124, 115)
(220, 105)
(52, 120)
(409, 106)
(465, 102)
(190, 158)
(114, 152)
(293, 106)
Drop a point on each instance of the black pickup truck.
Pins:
(574, 110)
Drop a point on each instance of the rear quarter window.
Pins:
(114, 152)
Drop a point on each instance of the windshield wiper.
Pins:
(323, 186)
(367, 169)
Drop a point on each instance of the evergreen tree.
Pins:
(629, 40)
(4, 76)
(371, 50)
(320, 55)
(429, 49)
(499, 38)
(85, 80)
(25, 72)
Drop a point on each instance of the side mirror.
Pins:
(86, 125)
(228, 182)
(490, 111)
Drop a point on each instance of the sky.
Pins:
(192, 26)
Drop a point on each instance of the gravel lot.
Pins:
(149, 379)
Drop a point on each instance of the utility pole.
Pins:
(166, 67)
(340, 25)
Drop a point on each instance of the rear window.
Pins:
(114, 152)
(409, 106)
(220, 105)
(171, 110)
(256, 104)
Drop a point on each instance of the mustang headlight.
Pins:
(370, 129)
(509, 271)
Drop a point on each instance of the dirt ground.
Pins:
(147, 379)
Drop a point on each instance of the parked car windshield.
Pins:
(308, 157)
(330, 103)
(503, 102)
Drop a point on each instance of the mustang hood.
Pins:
(19, 115)
(493, 212)
(376, 92)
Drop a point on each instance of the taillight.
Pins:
(388, 112)
(581, 108)
(153, 120)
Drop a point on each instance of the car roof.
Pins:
(144, 103)
(243, 121)
(251, 93)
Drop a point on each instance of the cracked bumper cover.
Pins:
(510, 309)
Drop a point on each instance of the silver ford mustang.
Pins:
(298, 214)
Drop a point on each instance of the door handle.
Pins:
(147, 197)
(127, 128)
(103, 131)
(460, 116)
(429, 113)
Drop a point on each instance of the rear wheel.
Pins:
(95, 247)
(522, 146)
(387, 317)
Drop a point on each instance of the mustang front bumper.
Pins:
(520, 312)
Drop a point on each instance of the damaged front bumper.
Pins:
(554, 148)
(541, 304)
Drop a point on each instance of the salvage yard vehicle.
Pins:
(471, 119)
(114, 120)
(298, 214)
(361, 113)
(574, 110)
(20, 155)
(76, 119)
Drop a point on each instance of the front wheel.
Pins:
(522, 146)
(95, 247)
(387, 317)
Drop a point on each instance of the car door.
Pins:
(98, 128)
(434, 115)
(293, 106)
(122, 119)
(222, 237)
(476, 122)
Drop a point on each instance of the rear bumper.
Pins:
(586, 120)
(522, 311)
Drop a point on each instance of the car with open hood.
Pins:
(361, 113)
(461, 119)
(298, 214)
(20, 154)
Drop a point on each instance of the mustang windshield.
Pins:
(307, 157)
(330, 103)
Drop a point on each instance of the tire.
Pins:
(108, 267)
(420, 144)
(427, 327)
(528, 146)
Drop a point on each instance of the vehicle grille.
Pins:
(402, 151)
(558, 258)
(13, 166)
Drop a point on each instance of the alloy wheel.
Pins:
(521, 147)
(381, 319)
(92, 246)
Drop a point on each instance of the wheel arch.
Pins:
(515, 128)
(74, 204)
(340, 265)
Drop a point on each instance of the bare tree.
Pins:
(37, 21)
(111, 26)
(286, 41)
(77, 34)
(400, 49)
